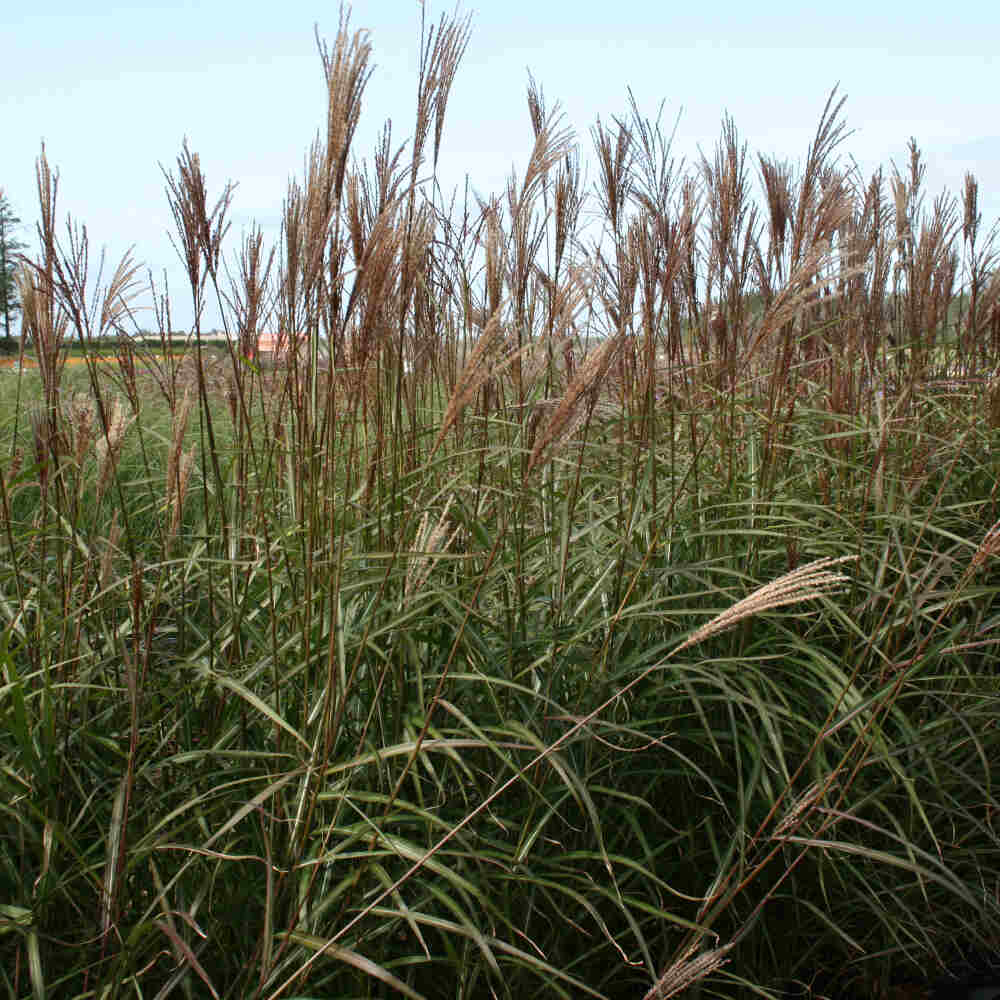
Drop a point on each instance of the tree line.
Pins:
(10, 258)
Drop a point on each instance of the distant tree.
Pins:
(10, 258)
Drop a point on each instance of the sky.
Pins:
(113, 89)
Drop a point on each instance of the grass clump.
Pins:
(555, 615)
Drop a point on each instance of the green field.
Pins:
(558, 616)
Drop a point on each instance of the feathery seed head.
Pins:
(110, 546)
(109, 445)
(430, 545)
(813, 580)
(686, 971)
(970, 205)
(585, 386)
(988, 547)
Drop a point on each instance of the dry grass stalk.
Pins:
(570, 412)
(108, 555)
(250, 294)
(830, 133)
(803, 584)
(201, 233)
(379, 266)
(565, 302)
(41, 322)
(312, 219)
(43, 447)
(13, 469)
(779, 190)
(175, 457)
(109, 445)
(833, 212)
(184, 467)
(800, 810)
(495, 256)
(80, 426)
(800, 292)
(686, 971)
(476, 371)
(290, 277)
(970, 210)
(733, 231)
(122, 289)
(614, 162)
(419, 243)
(553, 144)
(653, 163)
(440, 49)
(347, 72)
(988, 547)
(45, 329)
(449, 47)
(568, 202)
(430, 543)
(901, 200)
(732, 218)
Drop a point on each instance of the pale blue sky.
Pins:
(113, 89)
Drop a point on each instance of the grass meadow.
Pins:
(597, 596)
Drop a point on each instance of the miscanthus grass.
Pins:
(562, 611)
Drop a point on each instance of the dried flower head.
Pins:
(480, 366)
(988, 547)
(430, 544)
(109, 445)
(110, 547)
(686, 971)
(571, 411)
(80, 425)
(813, 580)
(970, 206)
(177, 494)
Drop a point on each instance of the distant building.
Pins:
(270, 345)
(272, 348)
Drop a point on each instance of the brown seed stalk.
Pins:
(584, 387)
